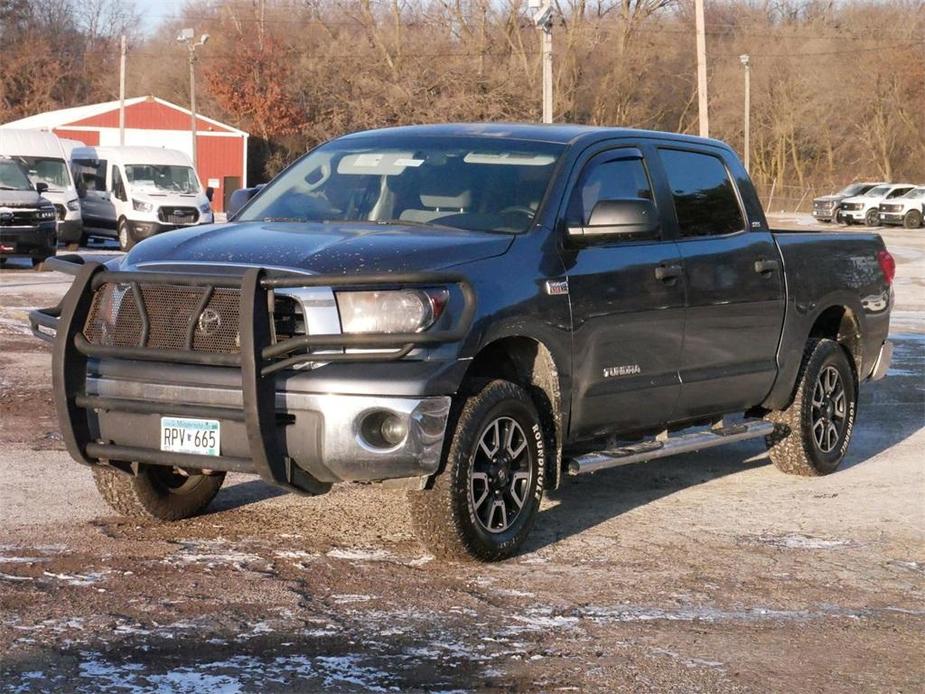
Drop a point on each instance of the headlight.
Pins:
(402, 311)
(73, 205)
(206, 208)
(141, 206)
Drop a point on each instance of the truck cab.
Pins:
(134, 193)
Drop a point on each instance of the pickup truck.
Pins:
(468, 312)
(27, 220)
(907, 210)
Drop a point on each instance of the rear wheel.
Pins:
(485, 501)
(913, 219)
(157, 492)
(872, 218)
(812, 435)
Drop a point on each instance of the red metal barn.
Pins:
(154, 122)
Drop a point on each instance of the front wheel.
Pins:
(913, 219)
(872, 218)
(811, 436)
(125, 236)
(485, 501)
(157, 492)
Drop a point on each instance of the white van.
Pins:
(138, 192)
(44, 157)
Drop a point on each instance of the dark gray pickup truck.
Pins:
(467, 312)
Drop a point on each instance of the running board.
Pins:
(650, 450)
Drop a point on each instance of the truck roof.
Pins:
(130, 154)
(30, 143)
(556, 133)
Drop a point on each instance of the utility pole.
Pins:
(703, 109)
(186, 37)
(542, 19)
(747, 153)
(122, 93)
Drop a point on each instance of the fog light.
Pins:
(383, 429)
(393, 429)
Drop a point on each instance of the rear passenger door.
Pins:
(735, 289)
(627, 299)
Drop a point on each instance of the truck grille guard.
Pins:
(258, 358)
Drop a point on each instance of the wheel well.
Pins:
(840, 324)
(528, 363)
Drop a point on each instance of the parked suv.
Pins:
(27, 220)
(906, 210)
(865, 209)
(826, 208)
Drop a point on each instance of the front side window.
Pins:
(12, 177)
(704, 196)
(52, 172)
(162, 178)
(607, 180)
(90, 174)
(476, 183)
(118, 187)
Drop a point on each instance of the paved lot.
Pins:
(709, 571)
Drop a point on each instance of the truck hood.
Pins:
(318, 248)
(863, 199)
(828, 198)
(22, 198)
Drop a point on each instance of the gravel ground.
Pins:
(708, 571)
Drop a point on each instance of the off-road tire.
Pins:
(913, 219)
(872, 218)
(444, 517)
(792, 446)
(148, 497)
(126, 241)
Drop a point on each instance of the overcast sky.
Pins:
(154, 14)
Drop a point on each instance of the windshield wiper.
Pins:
(11, 188)
(410, 223)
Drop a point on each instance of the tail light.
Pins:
(887, 265)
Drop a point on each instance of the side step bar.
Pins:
(650, 450)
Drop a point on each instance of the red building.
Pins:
(153, 122)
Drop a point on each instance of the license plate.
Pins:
(199, 436)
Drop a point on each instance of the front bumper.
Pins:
(825, 215)
(319, 432)
(853, 215)
(891, 217)
(36, 242)
(111, 393)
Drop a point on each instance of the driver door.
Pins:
(628, 308)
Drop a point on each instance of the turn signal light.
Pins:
(887, 265)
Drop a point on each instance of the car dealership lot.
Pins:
(707, 571)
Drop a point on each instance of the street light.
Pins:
(543, 19)
(748, 108)
(186, 37)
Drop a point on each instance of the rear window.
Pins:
(704, 197)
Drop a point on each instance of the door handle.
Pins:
(667, 273)
(766, 267)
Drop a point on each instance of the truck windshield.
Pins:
(878, 192)
(162, 178)
(915, 194)
(853, 189)
(12, 177)
(468, 183)
(47, 170)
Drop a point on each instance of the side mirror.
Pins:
(41, 187)
(240, 198)
(210, 191)
(623, 218)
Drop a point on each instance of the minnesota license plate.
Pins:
(199, 436)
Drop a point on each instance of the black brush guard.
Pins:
(259, 360)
